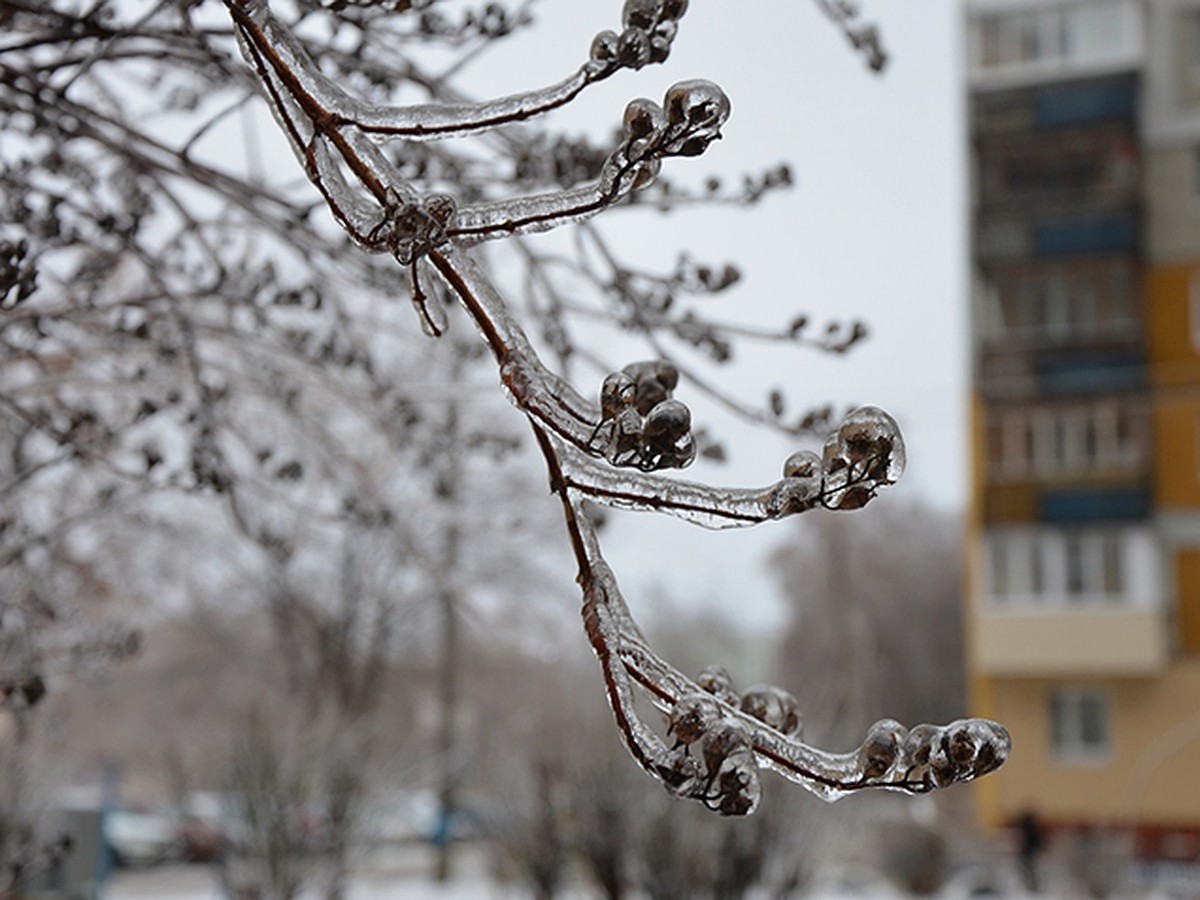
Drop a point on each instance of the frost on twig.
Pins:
(715, 740)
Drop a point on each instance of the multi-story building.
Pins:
(1084, 588)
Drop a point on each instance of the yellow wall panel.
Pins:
(1187, 581)
(1173, 336)
(1176, 454)
(1147, 778)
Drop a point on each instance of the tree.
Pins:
(244, 323)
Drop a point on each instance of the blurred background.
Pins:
(286, 609)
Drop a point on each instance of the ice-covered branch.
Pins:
(721, 738)
(648, 30)
(715, 740)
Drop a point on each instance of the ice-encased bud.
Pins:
(975, 747)
(616, 393)
(865, 453)
(870, 437)
(697, 102)
(643, 117)
(696, 110)
(644, 174)
(794, 495)
(633, 48)
(655, 380)
(668, 424)
(674, 9)
(919, 744)
(738, 785)
(773, 706)
(642, 14)
(802, 464)
(680, 773)
(718, 682)
(441, 209)
(604, 46)
(721, 740)
(691, 717)
(881, 749)
(660, 48)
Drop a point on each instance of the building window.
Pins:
(1079, 724)
(1060, 569)
(1067, 440)
(1061, 302)
(1081, 32)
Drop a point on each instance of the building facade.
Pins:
(1083, 610)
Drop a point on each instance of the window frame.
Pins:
(1070, 709)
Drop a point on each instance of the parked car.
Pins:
(138, 838)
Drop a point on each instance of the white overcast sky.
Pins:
(875, 228)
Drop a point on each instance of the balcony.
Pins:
(1070, 601)
(1070, 642)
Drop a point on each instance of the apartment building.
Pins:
(1083, 611)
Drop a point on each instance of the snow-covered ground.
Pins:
(403, 873)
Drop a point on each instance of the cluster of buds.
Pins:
(723, 772)
(931, 756)
(689, 119)
(649, 28)
(412, 226)
(865, 453)
(641, 424)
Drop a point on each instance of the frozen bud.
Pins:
(697, 103)
(942, 772)
(721, 740)
(919, 744)
(616, 393)
(793, 495)
(604, 46)
(644, 174)
(737, 783)
(988, 758)
(691, 718)
(633, 48)
(666, 30)
(643, 118)
(667, 425)
(626, 440)
(441, 208)
(870, 438)
(680, 773)
(674, 9)
(717, 681)
(976, 747)
(655, 380)
(642, 13)
(840, 492)
(773, 706)
(660, 48)
(881, 749)
(802, 464)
